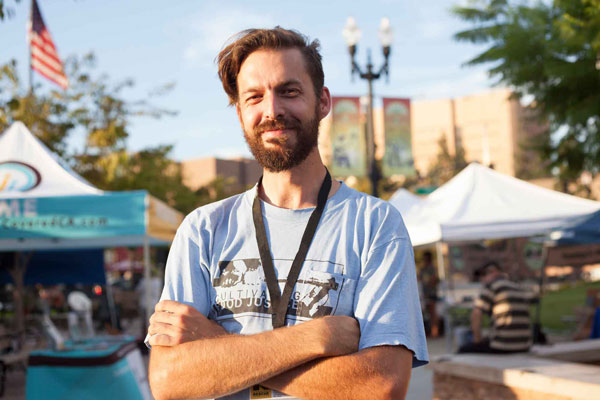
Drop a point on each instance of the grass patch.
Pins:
(563, 302)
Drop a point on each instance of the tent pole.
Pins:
(110, 298)
(17, 273)
(443, 279)
(147, 283)
(537, 325)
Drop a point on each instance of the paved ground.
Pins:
(14, 386)
(421, 381)
(420, 388)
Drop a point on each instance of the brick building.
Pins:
(200, 172)
(491, 127)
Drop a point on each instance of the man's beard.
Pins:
(284, 157)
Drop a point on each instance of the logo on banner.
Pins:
(18, 176)
(398, 158)
(347, 141)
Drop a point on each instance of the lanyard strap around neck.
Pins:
(279, 302)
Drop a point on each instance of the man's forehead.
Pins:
(286, 65)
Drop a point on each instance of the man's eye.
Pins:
(291, 92)
(253, 98)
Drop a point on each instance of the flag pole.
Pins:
(44, 60)
(29, 44)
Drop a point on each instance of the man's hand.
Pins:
(175, 323)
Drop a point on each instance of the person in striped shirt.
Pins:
(507, 304)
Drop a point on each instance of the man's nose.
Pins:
(273, 107)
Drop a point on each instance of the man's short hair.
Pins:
(482, 270)
(428, 255)
(244, 43)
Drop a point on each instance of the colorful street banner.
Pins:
(347, 138)
(398, 159)
(74, 217)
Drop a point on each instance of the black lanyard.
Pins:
(279, 303)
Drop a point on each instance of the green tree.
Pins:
(45, 114)
(7, 10)
(446, 166)
(98, 108)
(550, 51)
(220, 188)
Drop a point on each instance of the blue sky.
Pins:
(156, 42)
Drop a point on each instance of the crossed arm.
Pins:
(194, 357)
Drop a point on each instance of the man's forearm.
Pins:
(373, 373)
(222, 365)
(476, 317)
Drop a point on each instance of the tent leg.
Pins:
(537, 324)
(110, 298)
(147, 284)
(17, 272)
(443, 279)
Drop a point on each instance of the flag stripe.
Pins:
(39, 54)
(44, 57)
(49, 73)
(58, 79)
(45, 46)
(40, 63)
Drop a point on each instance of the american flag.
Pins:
(44, 57)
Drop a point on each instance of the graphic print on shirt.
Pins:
(241, 288)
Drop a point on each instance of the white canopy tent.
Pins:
(480, 203)
(56, 178)
(405, 201)
(44, 204)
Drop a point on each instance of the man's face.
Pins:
(278, 109)
(489, 275)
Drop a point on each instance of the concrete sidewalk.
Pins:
(421, 381)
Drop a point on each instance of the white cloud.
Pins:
(210, 29)
(435, 29)
(470, 82)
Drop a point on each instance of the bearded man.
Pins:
(300, 287)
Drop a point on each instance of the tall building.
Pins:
(491, 127)
(202, 171)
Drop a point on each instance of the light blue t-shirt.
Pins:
(360, 263)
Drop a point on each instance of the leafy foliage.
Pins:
(7, 11)
(447, 165)
(220, 188)
(549, 51)
(46, 114)
(97, 108)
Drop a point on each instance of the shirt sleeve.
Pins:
(386, 303)
(187, 277)
(485, 299)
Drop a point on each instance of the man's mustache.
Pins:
(277, 124)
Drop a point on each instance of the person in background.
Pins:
(507, 304)
(429, 281)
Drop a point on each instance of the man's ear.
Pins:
(239, 113)
(324, 103)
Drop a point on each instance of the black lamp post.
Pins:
(352, 35)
